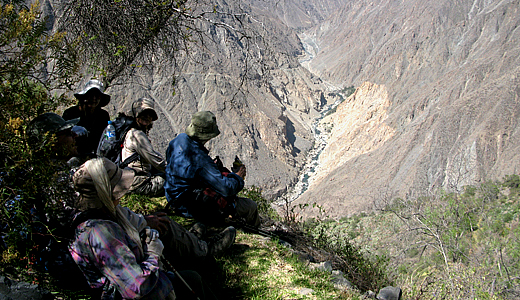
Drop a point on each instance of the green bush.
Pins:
(32, 191)
(264, 206)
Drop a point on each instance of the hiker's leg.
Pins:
(146, 185)
(204, 209)
(195, 282)
(248, 210)
(182, 246)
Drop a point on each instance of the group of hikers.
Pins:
(121, 253)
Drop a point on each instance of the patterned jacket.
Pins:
(111, 260)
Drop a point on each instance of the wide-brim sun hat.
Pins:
(50, 122)
(143, 105)
(94, 84)
(47, 123)
(120, 181)
(203, 126)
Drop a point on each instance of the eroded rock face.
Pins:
(437, 104)
(263, 111)
(357, 127)
(451, 72)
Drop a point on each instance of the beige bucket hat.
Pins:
(141, 105)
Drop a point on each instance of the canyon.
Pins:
(435, 107)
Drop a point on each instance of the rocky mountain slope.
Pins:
(263, 98)
(437, 105)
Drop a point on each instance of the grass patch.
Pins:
(143, 204)
(262, 269)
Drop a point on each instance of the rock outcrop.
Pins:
(451, 71)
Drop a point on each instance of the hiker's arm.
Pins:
(147, 153)
(227, 186)
(158, 221)
(116, 261)
(241, 171)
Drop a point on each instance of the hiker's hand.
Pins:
(241, 171)
(153, 244)
(158, 221)
(79, 131)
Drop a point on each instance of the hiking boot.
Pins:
(220, 242)
(199, 230)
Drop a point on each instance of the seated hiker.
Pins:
(52, 211)
(91, 116)
(195, 184)
(149, 167)
(107, 244)
(41, 128)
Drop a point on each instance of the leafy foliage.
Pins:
(32, 62)
(113, 34)
(366, 270)
(264, 206)
(127, 38)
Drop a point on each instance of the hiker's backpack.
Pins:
(112, 149)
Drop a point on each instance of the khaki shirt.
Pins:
(137, 141)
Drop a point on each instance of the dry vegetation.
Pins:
(444, 246)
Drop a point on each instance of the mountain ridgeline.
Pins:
(436, 104)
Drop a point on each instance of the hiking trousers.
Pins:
(206, 210)
(182, 248)
(247, 209)
(150, 185)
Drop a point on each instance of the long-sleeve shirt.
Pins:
(108, 256)
(137, 141)
(189, 167)
(95, 124)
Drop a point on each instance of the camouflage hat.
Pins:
(141, 105)
(120, 182)
(48, 123)
(203, 126)
(94, 84)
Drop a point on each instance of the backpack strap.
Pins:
(135, 156)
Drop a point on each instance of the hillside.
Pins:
(264, 100)
(453, 246)
(436, 108)
(437, 104)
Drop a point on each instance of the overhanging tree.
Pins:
(33, 62)
(120, 37)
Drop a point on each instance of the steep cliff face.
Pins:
(299, 14)
(263, 98)
(451, 71)
(357, 127)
